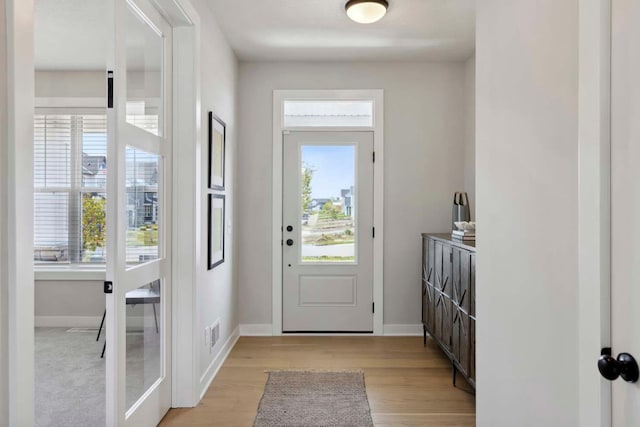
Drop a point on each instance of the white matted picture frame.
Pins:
(216, 215)
(217, 142)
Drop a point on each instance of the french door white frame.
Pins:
(279, 97)
(16, 215)
(16, 211)
(594, 207)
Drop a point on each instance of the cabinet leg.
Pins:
(424, 335)
(455, 371)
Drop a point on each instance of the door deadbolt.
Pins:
(289, 228)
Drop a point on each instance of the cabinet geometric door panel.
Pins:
(472, 286)
(461, 278)
(472, 349)
(447, 257)
(461, 339)
(448, 299)
(428, 306)
(443, 320)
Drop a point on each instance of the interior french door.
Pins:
(327, 233)
(138, 339)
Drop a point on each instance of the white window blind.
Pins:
(70, 179)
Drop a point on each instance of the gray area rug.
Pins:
(70, 375)
(312, 398)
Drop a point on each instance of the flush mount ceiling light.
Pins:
(366, 11)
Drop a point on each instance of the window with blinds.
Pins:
(70, 184)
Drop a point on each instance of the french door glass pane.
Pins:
(143, 215)
(328, 231)
(145, 51)
(144, 332)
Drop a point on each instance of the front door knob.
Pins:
(624, 366)
(289, 242)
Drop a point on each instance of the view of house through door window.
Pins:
(142, 172)
(328, 231)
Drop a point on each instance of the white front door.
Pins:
(625, 203)
(138, 345)
(327, 232)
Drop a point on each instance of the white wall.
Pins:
(69, 303)
(527, 187)
(470, 132)
(54, 84)
(217, 291)
(4, 279)
(424, 160)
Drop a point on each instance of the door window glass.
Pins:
(143, 213)
(328, 203)
(144, 323)
(144, 46)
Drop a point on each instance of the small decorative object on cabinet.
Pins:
(448, 300)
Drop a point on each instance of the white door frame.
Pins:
(377, 96)
(16, 277)
(187, 218)
(16, 211)
(594, 203)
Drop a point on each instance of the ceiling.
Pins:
(319, 30)
(72, 34)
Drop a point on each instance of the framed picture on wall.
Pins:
(217, 140)
(216, 229)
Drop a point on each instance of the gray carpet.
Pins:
(309, 398)
(70, 375)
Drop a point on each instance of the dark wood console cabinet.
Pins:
(448, 299)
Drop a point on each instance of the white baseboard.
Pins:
(256, 330)
(218, 360)
(68, 321)
(403, 330)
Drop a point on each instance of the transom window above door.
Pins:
(334, 113)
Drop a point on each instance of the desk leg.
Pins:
(155, 317)
(101, 324)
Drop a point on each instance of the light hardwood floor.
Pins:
(407, 384)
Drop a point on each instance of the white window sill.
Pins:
(71, 273)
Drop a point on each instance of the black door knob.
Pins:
(289, 228)
(289, 242)
(624, 366)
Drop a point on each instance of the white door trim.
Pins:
(16, 278)
(187, 149)
(377, 96)
(594, 206)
